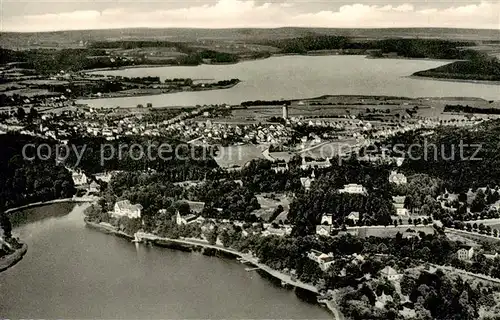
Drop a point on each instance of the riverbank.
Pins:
(13, 258)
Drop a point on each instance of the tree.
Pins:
(20, 114)
(33, 114)
(479, 202)
(6, 225)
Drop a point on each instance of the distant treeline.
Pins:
(411, 48)
(481, 67)
(469, 109)
(227, 82)
(265, 103)
(46, 61)
(193, 56)
(134, 44)
(141, 80)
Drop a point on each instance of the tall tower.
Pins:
(285, 111)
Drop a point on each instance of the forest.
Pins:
(180, 162)
(411, 48)
(475, 164)
(478, 68)
(25, 181)
(469, 109)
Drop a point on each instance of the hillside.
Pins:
(486, 69)
(67, 39)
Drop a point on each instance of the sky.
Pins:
(52, 15)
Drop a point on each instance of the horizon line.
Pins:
(251, 28)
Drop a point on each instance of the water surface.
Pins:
(298, 77)
(71, 271)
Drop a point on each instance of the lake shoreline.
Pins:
(43, 203)
(153, 92)
(12, 259)
(488, 82)
(213, 250)
(308, 54)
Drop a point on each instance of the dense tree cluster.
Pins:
(236, 201)
(412, 48)
(478, 68)
(24, 181)
(469, 109)
(177, 160)
(440, 155)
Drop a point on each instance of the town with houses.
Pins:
(370, 230)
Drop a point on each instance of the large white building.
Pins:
(324, 260)
(79, 178)
(397, 178)
(315, 164)
(125, 209)
(465, 254)
(180, 220)
(391, 274)
(353, 188)
(399, 205)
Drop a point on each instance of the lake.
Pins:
(294, 77)
(71, 271)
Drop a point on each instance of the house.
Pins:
(354, 216)
(306, 182)
(94, 187)
(399, 205)
(391, 274)
(180, 220)
(323, 230)
(397, 178)
(280, 167)
(125, 209)
(465, 253)
(79, 178)
(327, 219)
(315, 164)
(353, 188)
(195, 206)
(324, 260)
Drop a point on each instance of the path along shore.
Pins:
(287, 279)
(43, 203)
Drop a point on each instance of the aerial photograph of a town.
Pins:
(250, 159)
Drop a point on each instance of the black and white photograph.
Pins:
(250, 159)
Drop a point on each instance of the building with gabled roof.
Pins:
(323, 230)
(125, 209)
(397, 178)
(353, 188)
(391, 274)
